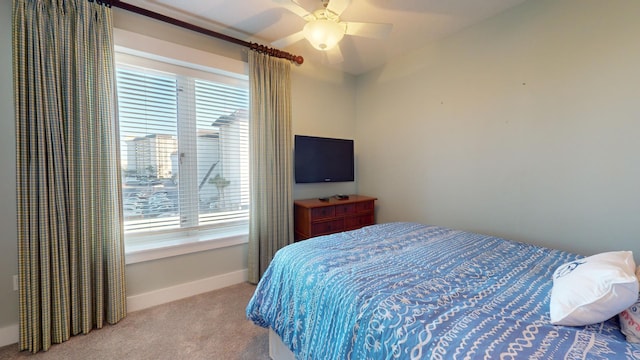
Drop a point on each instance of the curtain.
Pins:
(70, 238)
(271, 209)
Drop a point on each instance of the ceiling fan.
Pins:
(324, 29)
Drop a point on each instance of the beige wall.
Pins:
(525, 126)
(323, 105)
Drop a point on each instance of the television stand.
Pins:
(314, 217)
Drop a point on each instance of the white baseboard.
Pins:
(9, 334)
(177, 292)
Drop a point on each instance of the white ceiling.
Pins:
(415, 23)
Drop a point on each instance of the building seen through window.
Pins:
(184, 151)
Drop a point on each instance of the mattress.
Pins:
(413, 291)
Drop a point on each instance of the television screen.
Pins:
(318, 159)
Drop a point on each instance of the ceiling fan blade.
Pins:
(294, 7)
(370, 30)
(338, 6)
(334, 55)
(288, 40)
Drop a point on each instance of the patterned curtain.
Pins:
(70, 238)
(271, 214)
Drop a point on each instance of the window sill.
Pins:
(183, 245)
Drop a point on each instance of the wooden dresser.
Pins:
(314, 217)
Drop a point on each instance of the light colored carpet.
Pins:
(207, 326)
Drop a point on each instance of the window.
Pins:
(184, 152)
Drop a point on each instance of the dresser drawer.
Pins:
(356, 222)
(327, 227)
(364, 206)
(320, 213)
(345, 209)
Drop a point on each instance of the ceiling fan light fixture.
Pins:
(323, 34)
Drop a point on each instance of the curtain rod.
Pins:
(254, 46)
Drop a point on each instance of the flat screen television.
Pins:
(318, 159)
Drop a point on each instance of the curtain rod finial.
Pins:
(298, 59)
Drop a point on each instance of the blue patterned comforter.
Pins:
(412, 291)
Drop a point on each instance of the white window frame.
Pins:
(135, 49)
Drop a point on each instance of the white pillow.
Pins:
(630, 319)
(593, 289)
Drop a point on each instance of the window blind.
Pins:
(184, 152)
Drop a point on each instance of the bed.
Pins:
(413, 291)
